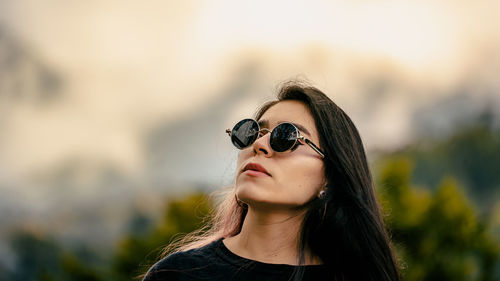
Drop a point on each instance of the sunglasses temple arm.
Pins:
(228, 132)
(313, 146)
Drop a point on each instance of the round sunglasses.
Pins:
(283, 137)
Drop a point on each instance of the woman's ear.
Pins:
(324, 186)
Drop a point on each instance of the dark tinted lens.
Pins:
(283, 137)
(245, 133)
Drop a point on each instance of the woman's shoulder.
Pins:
(179, 262)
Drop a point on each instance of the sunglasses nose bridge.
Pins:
(263, 131)
(262, 143)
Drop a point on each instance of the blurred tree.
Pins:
(471, 155)
(438, 235)
(36, 255)
(40, 257)
(138, 251)
(74, 269)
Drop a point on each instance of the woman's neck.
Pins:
(270, 237)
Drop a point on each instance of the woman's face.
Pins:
(294, 177)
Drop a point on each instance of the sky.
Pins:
(128, 67)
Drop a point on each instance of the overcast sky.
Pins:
(129, 66)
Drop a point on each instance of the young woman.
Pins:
(302, 207)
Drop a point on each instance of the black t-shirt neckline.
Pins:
(224, 253)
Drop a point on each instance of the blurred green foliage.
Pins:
(136, 253)
(438, 234)
(471, 155)
(40, 257)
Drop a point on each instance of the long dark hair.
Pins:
(344, 227)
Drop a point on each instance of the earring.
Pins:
(322, 194)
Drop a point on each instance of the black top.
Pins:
(216, 262)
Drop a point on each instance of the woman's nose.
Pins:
(261, 145)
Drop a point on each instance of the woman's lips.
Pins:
(255, 173)
(255, 169)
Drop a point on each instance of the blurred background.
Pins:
(112, 119)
